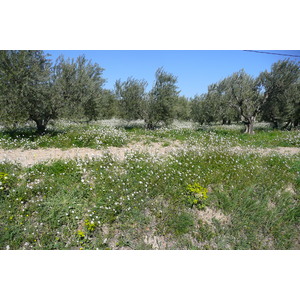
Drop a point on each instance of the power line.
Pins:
(272, 53)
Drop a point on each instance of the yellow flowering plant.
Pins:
(197, 195)
(90, 225)
(80, 234)
(4, 186)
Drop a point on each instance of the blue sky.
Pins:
(195, 69)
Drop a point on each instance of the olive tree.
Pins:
(78, 84)
(280, 87)
(131, 96)
(26, 88)
(217, 102)
(242, 94)
(160, 104)
(290, 113)
(199, 110)
(182, 109)
(213, 106)
(108, 104)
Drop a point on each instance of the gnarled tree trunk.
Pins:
(249, 124)
(41, 125)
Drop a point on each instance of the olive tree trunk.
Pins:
(41, 126)
(249, 125)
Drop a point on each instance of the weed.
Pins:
(4, 183)
(80, 234)
(90, 225)
(197, 196)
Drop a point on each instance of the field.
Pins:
(114, 185)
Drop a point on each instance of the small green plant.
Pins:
(80, 234)
(197, 195)
(4, 186)
(3, 178)
(90, 225)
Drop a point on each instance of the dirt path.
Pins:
(31, 157)
(267, 151)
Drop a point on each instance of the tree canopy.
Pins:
(78, 84)
(25, 88)
(162, 99)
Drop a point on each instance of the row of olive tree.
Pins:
(160, 105)
(273, 96)
(33, 88)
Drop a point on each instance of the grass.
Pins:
(109, 204)
(64, 137)
(144, 201)
(99, 135)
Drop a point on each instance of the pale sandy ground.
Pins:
(31, 157)
(34, 156)
(267, 151)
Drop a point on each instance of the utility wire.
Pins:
(272, 53)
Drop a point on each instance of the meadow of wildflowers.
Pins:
(202, 195)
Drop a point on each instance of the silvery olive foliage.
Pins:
(273, 97)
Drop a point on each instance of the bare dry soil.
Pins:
(31, 157)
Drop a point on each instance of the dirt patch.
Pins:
(208, 214)
(155, 241)
(271, 205)
(268, 151)
(290, 189)
(31, 157)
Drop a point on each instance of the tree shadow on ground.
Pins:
(29, 133)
